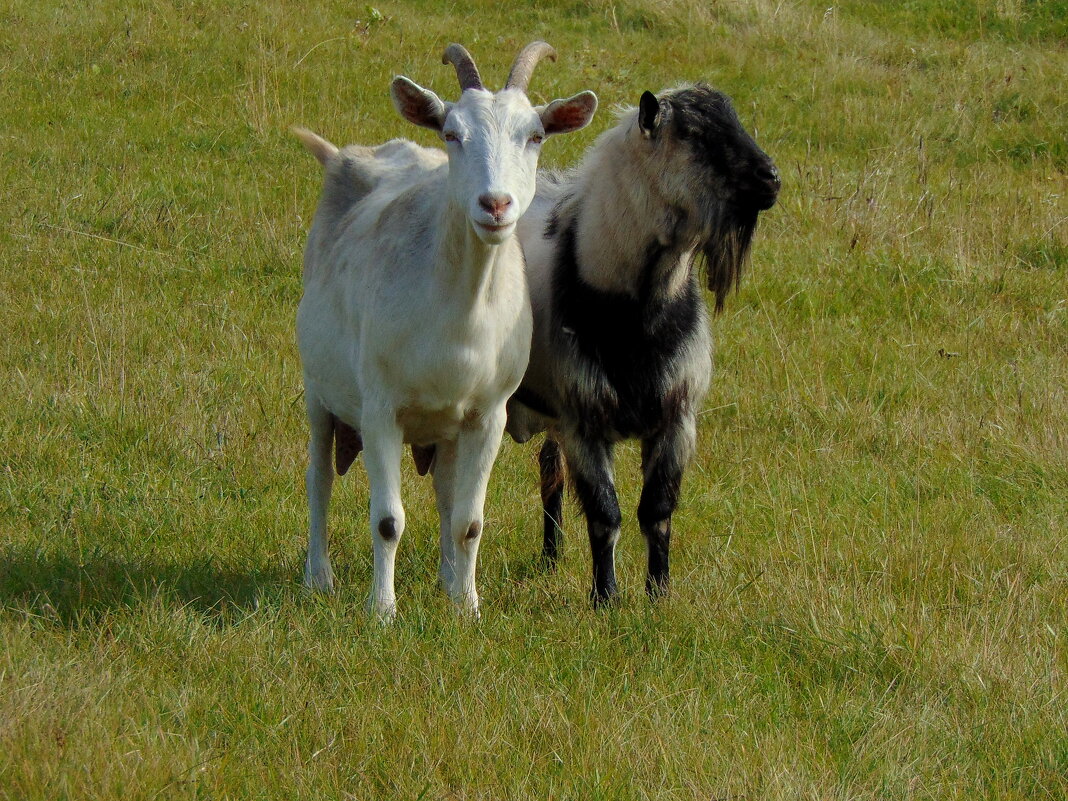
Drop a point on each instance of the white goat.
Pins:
(415, 323)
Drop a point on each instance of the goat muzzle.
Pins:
(761, 189)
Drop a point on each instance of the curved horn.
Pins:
(525, 62)
(466, 71)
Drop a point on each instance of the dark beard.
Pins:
(726, 251)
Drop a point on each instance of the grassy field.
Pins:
(871, 559)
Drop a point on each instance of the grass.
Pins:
(870, 580)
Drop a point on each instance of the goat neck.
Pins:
(629, 239)
(468, 269)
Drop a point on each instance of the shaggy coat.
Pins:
(621, 345)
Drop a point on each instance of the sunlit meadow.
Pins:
(871, 552)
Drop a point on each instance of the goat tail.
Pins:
(316, 145)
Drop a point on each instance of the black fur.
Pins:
(746, 180)
(629, 342)
(648, 113)
(533, 400)
(705, 121)
(727, 252)
(387, 528)
(552, 225)
(593, 484)
(551, 467)
(663, 469)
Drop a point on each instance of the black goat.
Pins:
(621, 345)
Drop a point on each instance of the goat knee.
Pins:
(388, 523)
(604, 512)
(387, 529)
(466, 534)
(599, 503)
(653, 510)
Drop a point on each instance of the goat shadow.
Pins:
(80, 592)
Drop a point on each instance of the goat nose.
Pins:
(768, 174)
(495, 204)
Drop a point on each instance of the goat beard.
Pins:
(726, 251)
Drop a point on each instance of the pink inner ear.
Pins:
(417, 108)
(567, 116)
(564, 118)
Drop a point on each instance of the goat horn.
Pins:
(466, 71)
(525, 62)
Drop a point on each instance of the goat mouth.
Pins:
(765, 202)
(762, 201)
(495, 227)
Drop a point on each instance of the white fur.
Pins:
(415, 323)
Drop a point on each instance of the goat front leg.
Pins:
(476, 448)
(383, 446)
(551, 468)
(590, 463)
(318, 481)
(664, 459)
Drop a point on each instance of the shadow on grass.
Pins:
(524, 569)
(79, 592)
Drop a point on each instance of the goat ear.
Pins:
(648, 114)
(416, 104)
(564, 116)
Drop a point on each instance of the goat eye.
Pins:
(451, 137)
(537, 138)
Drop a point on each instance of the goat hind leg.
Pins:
(551, 468)
(318, 482)
(443, 468)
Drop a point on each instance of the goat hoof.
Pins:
(319, 578)
(470, 613)
(466, 606)
(604, 600)
(445, 578)
(548, 562)
(656, 589)
(382, 610)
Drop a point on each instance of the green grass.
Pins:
(871, 549)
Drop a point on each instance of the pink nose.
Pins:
(496, 205)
